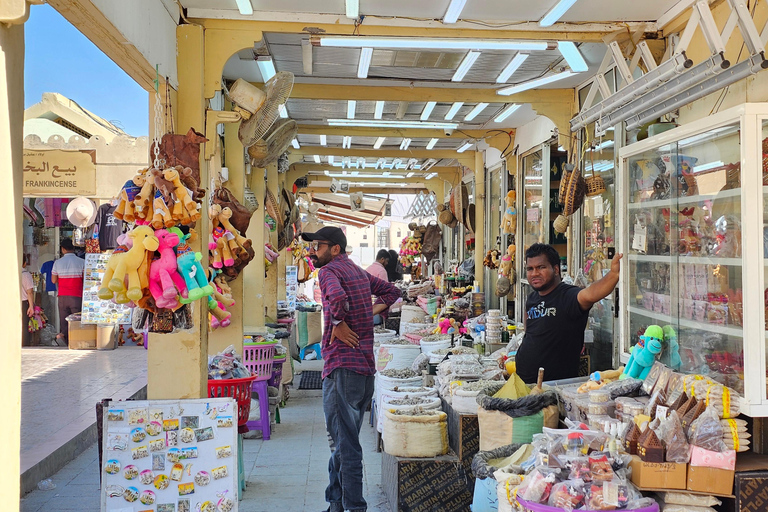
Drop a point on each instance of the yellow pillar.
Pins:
(253, 275)
(178, 363)
(270, 286)
(11, 143)
(479, 217)
(221, 338)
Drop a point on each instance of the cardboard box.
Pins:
(463, 438)
(658, 475)
(715, 481)
(81, 336)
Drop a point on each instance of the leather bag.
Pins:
(433, 237)
(241, 216)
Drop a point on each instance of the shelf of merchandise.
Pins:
(685, 322)
(733, 135)
(664, 203)
(702, 260)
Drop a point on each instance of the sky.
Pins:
(61, 59)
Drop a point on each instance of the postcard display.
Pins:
(694, 221)
(95, 310)
(170, 456)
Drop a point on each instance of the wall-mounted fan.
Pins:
(259, 108)
(267, 150)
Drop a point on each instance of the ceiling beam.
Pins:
(420, 94)
(384, 153)
(313, 167)
(367, 180)
(344, 206)
(339, 25)
(339, 216)
(313, 129)
(370, 190)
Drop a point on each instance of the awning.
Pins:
(336, 208)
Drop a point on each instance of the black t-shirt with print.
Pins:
(110, 227)
(554, 335)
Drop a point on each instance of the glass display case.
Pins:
(696, 250)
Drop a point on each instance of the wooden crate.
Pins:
(425, 484)
(463, 438)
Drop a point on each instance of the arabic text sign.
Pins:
(59, 173)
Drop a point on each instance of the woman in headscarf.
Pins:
(394, 270)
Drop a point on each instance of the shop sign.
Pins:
(59, 173)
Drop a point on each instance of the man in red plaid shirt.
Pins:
(349, 367)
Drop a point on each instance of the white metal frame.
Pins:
(750, 118)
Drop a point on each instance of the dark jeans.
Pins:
(346, 396)
(68, 304)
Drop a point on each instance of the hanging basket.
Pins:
(594, 183)
(560, 224)
(575, 190)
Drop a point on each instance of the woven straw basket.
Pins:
(561, 224)
(575, 190)
(595, 184)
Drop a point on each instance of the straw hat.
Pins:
(81, 212)
(273, 209)
(459, 200)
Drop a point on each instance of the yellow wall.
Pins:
(11, 115)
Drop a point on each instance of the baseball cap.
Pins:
(328, 233)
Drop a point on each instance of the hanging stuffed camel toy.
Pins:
(509, 221)
(183, 200)
(188, 263)
(126, 209)
(219, 242)
(127, 264)
(165, 282)
(143, 200)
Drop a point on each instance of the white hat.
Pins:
(81, 212)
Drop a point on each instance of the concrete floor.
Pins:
(287, 473)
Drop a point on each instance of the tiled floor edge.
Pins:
(51, 464)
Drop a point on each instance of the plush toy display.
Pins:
(644, 353)
(126, 209)
(506, 272)
(509, 221)
(185, 209)
(188, 263)
(143, 200)
(218, 240)
(671, 348)
(217, 304)
(126, 264)
(165, 282)
(491, 259)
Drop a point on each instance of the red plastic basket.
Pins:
(239, 389)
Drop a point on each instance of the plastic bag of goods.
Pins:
(416, 433)
(484, 464)
(396, 354)
(434, 342)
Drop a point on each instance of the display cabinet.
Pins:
(692, 227)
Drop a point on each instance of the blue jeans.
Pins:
(346, 395)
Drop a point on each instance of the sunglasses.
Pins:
(316, 244)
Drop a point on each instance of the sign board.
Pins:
(95, 310)
(59, 173)
(291, 285)
(170, 456)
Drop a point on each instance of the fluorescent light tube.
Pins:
(351, 105)
(475, 111)
(376, 123)
(432, 143)
(245, 7)
(364, 63)
(355, 173)
(452, 111)
(556, 13)
(323, 140)
(508, 110)
(379, 142)
(379, 111)
(535, 83)
(513, 66)
(572, 56)
(353, 9)
(330, 159)
(465, 66)
(380, 163)
(404, 145)
(430, 176)
(283, 111)
(454, 11)
(409, 175)
(317, 158)
(346, 143)
(427, 110)
(266, 68)
(295, 144)
(431, 43)
(464, 147)
(385, 173)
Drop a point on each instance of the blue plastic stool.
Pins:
(315, 347)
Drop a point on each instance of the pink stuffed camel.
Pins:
(164, 278)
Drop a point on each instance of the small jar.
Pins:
(599, 396)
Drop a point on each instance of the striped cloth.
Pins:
(69, 268)
(347, 291)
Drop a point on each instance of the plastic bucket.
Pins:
(396, 357)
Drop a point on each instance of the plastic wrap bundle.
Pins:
(457, 367)
(624, 387)
(485, 498)
(735, 435)
(723, 399)
(504, 421)
(410, 327)
(227, 365)
(415, 433)
(424, 288)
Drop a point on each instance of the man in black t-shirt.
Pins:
(556, 315)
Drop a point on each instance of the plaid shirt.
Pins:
(347, 291)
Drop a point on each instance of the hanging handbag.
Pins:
(92, 244)
(162, 321)
(241, 216)
(433, 237)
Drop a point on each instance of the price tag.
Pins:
(639, 240)
(661, 412)
(611, 493)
